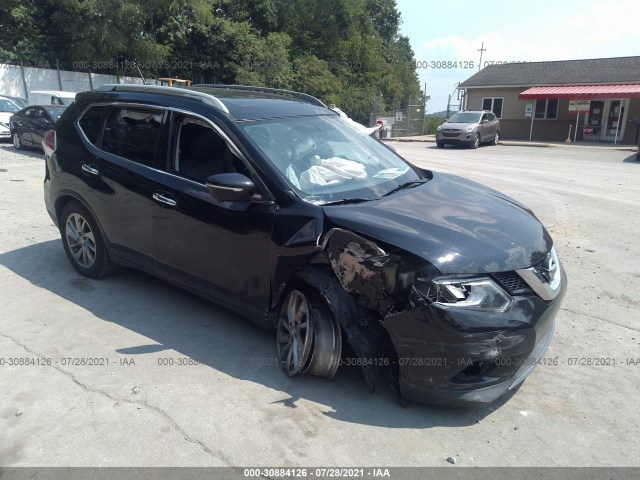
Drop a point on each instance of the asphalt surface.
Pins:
(105, 393)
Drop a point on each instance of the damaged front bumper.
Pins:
(454, 356)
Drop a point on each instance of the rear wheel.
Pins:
(475, 143)
(83, 242)
(496, 139)
(17, 141)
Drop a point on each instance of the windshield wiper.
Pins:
(346, 201)
(413, 183)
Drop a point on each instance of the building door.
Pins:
(614, 112)
(594, 120)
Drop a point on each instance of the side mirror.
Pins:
(43, 121)
(230, 187)
(485, 120)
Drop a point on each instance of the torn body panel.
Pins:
(362, 268)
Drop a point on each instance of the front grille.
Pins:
(513, 283)
(451, 133)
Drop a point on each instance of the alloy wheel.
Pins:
(294, 333)
(81, 240)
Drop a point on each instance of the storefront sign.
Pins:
(579, 106)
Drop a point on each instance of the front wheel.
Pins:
(440, 144)
(308, 338)
(17, 141)
(83, 242)
(475, 143)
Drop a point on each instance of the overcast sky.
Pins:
(514, 31)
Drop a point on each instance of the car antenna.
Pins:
(144, 82)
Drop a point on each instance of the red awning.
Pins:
(582, 92)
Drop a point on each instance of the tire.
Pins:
(308, 339)
(475, 143)
(440, 144)
(496, 139)
(17, 141)
(83, 241)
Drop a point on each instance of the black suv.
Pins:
(269, 203)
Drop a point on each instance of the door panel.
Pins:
(219, 249)
(38, 130)
(120, 178)
(23, 126)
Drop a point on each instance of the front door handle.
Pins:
(89, 169)
(159, 197)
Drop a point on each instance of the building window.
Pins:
(494, 105)
(547, 108)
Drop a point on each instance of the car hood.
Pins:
(457, 225)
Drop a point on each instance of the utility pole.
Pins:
(424, 106)
(481, 49)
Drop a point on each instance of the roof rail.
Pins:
(133, 87)
(278, 91)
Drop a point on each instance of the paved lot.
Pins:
(134, 411)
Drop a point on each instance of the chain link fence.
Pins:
(401, 122)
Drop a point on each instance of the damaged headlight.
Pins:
(475, 293)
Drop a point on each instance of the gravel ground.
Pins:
(136, 411)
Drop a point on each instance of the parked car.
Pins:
(8, 106)
(29, 125)
(469, 128)
(51, 97)
(272, 205)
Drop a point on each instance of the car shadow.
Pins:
(631, 159)
(455, 147)
(179, 321)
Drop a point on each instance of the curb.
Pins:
(517, 144)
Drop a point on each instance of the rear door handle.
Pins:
(159, 197)
(89, 169)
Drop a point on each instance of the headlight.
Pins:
(472, 293)
(439, 128)
(4, 125)
(469, 128)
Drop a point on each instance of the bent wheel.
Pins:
(294, 333)
(327, 341)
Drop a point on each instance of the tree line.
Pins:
(346, 52)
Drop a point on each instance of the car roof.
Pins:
(240, 101)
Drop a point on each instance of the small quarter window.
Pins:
(92, 121)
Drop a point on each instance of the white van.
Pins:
(51, 97)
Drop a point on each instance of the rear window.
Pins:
(55, 113)
(92, 121)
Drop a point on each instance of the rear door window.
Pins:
(133, 133)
